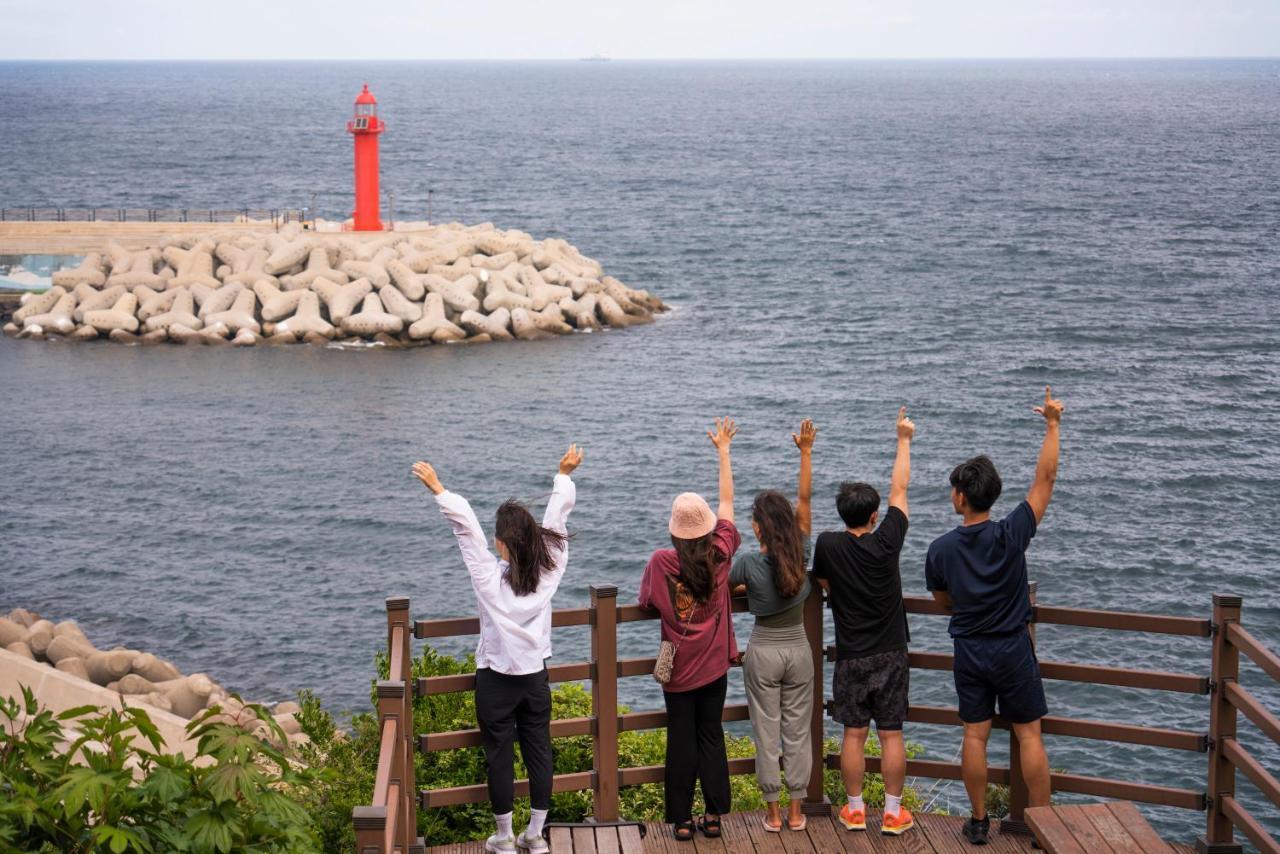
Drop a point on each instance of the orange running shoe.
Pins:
(853, 819)
(896, 825)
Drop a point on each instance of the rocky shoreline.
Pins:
(135, 675)
(442, 284)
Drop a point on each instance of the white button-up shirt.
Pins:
(515, 631)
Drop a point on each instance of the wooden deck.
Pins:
(743, 834)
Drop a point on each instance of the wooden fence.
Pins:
(389, 824)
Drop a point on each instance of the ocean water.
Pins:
(835, 239)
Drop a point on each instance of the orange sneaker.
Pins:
(853, 819)
(896, 825)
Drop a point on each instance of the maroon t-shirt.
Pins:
(708, 643)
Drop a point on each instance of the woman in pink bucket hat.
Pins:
(688, 586)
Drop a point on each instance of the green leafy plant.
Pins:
(98, 780)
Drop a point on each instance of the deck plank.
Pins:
(607, 840)
(763, 841)
(561, 840)
(629, 841)
(1081, 827)
(584, 840)
(1106, 833)
(1143, 834)
(1108, 827)
(822, 833)
(1052, 831)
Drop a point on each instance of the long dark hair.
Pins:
(532, 547)
(698, 559)
(780, 537)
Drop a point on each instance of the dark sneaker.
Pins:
(976, 830)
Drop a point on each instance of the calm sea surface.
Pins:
(836, 239)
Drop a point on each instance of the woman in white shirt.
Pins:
(513, 591)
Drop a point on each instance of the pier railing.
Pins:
(275, 216)
(389, 824)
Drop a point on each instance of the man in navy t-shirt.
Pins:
(978, 572)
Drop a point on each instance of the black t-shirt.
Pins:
(984, 569)
(866, 588)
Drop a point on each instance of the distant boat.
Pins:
(599, 57)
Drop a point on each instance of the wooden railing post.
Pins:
(815, 800)
(398, 616)
(1219, 836)
(1017, 782)
(604, 700)
(370, 824)
(391, 697)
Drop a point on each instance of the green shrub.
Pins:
(104, 784)
(352, 761)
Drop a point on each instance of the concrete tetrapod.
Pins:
(240, 315)
(219, 301)
(341, 300)
(317, 268)
(372, 319)
(196, 268)
(38, 303)
(455, 296)
(288, 255)
(406, 280)
(141, 272)
(276, 304)
(151, 303)
(395, 302)
(435, 323)
(119, 316)
(494, 325)
(58, 319)
(89, 272)
(307, 319)
(181, 313)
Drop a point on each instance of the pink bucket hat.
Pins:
(691, 517)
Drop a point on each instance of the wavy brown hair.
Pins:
(780, 538)
(698, 559)
(532, 547)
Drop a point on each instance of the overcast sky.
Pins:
(634, 29)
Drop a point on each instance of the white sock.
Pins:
(537, 818)
(892, 804)
(504, 824)
(855, 803)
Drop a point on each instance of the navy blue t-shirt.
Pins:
(984, 569)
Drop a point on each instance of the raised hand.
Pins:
(906, 427)
(804, 439)
(425, 473)
(571, 460)
(1052, 408)
(723, 434)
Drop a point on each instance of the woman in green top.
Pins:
(778, 666)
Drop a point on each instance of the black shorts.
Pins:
(998, 667)
(872, 687)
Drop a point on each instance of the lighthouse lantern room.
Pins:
(365, 127)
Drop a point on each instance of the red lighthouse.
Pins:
(365, 127)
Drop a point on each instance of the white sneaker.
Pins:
(532, 844)
(500, 845)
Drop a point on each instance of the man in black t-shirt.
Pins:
(858, 567)
(978, 573)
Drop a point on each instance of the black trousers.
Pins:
(510, 708)
(695, 750)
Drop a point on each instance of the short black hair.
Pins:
(856, 502)
(978, 481)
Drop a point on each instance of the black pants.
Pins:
(510, 708)
(695, 750)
